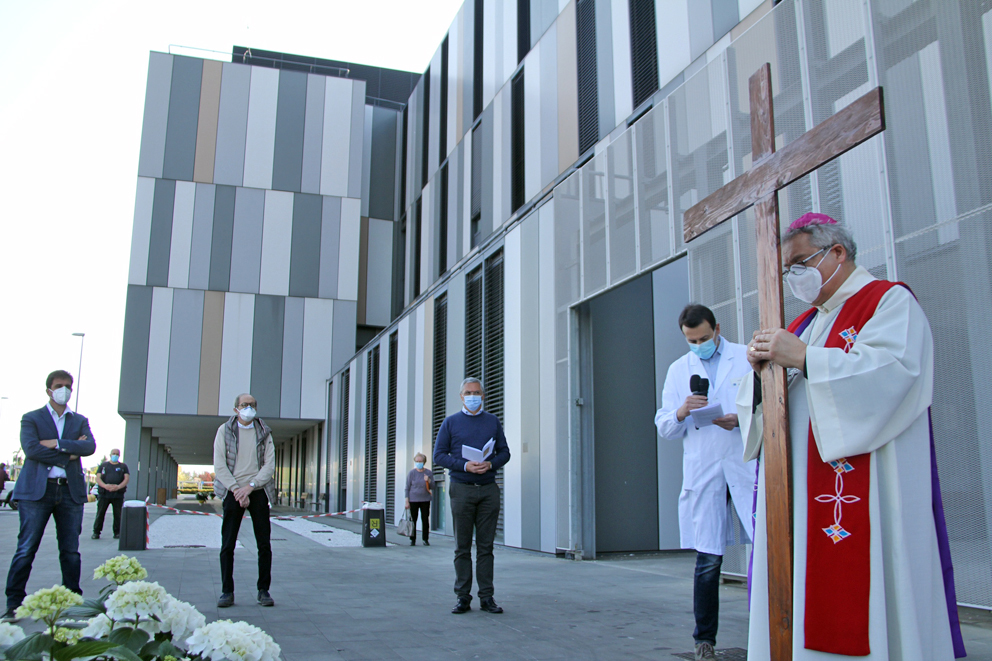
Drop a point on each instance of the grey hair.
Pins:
(420, 454)
(469, 380)
(237, 400)
(826, 236)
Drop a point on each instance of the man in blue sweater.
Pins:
(474, 492)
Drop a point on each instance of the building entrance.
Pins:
(632, 337)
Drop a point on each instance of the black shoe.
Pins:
(413, 542)
(264, 599)
(463, 606)
(95, 535)
(10, 616)
(426, 543)
(117, 535)
(489, 605)
(226, 600)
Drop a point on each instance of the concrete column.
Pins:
(138, 457)
(146, 468)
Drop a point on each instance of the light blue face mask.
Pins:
(115, 458)
(419, 465)
(705, 350)
(473, 402)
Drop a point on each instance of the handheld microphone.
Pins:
(698, 385)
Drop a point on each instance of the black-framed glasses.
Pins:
(800, 267)
(245, 405)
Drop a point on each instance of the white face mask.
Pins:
(807, 285)
(61, 395)
(247, 414)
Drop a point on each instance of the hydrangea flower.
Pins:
(68, 636)
(98, 627)
(10, 634)
(181, 620)
(233, 641)
(121, 569)
(137, 599)
(48, 604)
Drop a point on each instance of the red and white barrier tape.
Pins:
(307, 516)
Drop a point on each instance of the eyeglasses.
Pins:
(800, 267)
(245, 405)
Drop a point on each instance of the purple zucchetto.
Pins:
(811, 219)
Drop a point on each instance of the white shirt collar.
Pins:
(55, 415)
(251, 426)
(854, 283)
(479, 412)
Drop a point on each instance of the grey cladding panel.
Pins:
(343, 348)
(134, 355)
(292, 358)
(287, 165)
(246, 245)
(222, 237)
(304, 273)
(725, 17)
(486, 223)
(184, 352)
(266, 354)
(232, 124)
(160, 242)
(184, 113)
(313, 134)
(156, 117)
(330, 240)
(203, 222)
(382, 184)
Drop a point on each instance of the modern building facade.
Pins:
(543, 165)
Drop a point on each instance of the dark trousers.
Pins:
(34, 515)
(474, 509)
(706, 597)
(258, 508)
(101, 513)
(424, 509)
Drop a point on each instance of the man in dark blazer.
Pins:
(50, 484)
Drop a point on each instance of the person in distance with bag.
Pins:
(419, 489)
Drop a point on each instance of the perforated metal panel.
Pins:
(594, 249)
(654, 218)
(620, 187)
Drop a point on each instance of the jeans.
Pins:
(474, 508)
(258, 508)
(424, 508)
(101, 513)
(706, 597)
(34, 516)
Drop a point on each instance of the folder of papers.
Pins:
(474, 454)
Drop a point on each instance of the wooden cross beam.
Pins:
(771, 171)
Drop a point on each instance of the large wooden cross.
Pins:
(771, 171)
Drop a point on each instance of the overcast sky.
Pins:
(72, 89)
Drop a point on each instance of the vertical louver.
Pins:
(443, 130)
(345, 415)
(477, 59)
(440, 386)
(417, 224)
(643, 50)
(523, 29)
(475, 208)
(442, 224)
(493, 369)
(403, 161)
(391, 427)
(372, 425)
(588, 79)
(517, 141)
(473, 324)
(426, 116)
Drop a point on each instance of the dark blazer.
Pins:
(37, 426)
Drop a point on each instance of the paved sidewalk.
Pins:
(394, 602)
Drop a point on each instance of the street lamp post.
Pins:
(79, 372)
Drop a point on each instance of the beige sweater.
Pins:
(246, 464)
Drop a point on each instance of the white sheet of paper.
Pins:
(705, 416)
(477, 455)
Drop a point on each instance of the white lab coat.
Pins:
(711, 457)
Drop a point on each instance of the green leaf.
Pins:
(120, 635)
(168, 649)
(83, 649)
(89, 608)
(123, 653)
(30, 648)
(133, 639)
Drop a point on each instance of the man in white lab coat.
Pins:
(712, 467)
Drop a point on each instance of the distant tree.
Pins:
(205, 476)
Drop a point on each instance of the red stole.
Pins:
(838, 532)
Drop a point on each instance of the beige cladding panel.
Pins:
(568, 90)
(210, 349)
(206, 127)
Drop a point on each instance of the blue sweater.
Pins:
(475, 431)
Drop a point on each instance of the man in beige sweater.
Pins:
(244, 465)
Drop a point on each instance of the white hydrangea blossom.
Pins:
(10, 634)
(137, 599)
(121, 569)
(224, 640)
(68, 636)
(98, 627)
(176, 618)
(48, 604)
